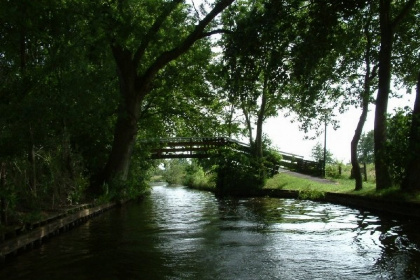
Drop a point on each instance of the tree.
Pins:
(175, 171)
(319, 78)
(140, 52)
(406, 68)
(368, 53)
(318, 154)
(182, 103)
(388, 25)
(365, 150)
(412, 177)
(397, 152)
(48, 100)
(255, 57)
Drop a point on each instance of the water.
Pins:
(178, 233)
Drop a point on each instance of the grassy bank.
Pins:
(337, 182)
(285, 181)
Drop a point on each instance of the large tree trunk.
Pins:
(365, 96)
(383, 179)
(260, 121)
(230, 121)
(258, 138)
(387, 26)
(124, 140)
(356, 172)
(411, 182)
(125, 132)
(248, 125)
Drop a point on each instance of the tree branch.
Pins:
(155, 29)
(405, 10)
(216, 31)
(196, 11)
(374, 72)
(195, 35)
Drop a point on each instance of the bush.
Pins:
(196, 178)
(311, 194)
(239, 174)
(333, 171)
(175, 171)
(271, 161)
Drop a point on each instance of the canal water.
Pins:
(177, 233)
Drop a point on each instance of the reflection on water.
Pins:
(178, 233)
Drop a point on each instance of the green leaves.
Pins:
(365, 150)
(397, 152)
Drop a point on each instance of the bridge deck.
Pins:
(191, 147)
(202, 147)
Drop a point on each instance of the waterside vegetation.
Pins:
(307, 186)
(84, 82)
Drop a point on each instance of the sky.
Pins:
(287, 137)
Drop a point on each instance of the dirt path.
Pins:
(308, 177)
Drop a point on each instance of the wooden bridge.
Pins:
(205, 147)
(192, 147)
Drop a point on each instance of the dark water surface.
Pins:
(177, 233)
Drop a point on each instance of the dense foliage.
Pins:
(366, 148)
(318, 154)
(83, 81)
(397, 151)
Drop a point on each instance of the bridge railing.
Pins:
(179, 141)
(200, 147)
(301, 165)
(190, 147)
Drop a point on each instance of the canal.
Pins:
(178, 233)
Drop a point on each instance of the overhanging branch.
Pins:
(196, 34)
(403, 13)
(216, 31)
(155, 29)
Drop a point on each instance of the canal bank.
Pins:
(178, 233)
(378, 205)
(382, 206)
(28, 236)
(327, 190)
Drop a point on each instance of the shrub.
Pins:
(195, 177)
(333, 171)
(175, 171)
(239, 174)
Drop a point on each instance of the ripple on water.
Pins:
(177, 233)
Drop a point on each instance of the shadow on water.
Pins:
(399, 241)
(389, 245)
(178, 233)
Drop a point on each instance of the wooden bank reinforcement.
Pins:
(49, 228)
(380, 206)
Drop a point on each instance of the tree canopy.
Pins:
(83, 81)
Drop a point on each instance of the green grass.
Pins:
(285, 181)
